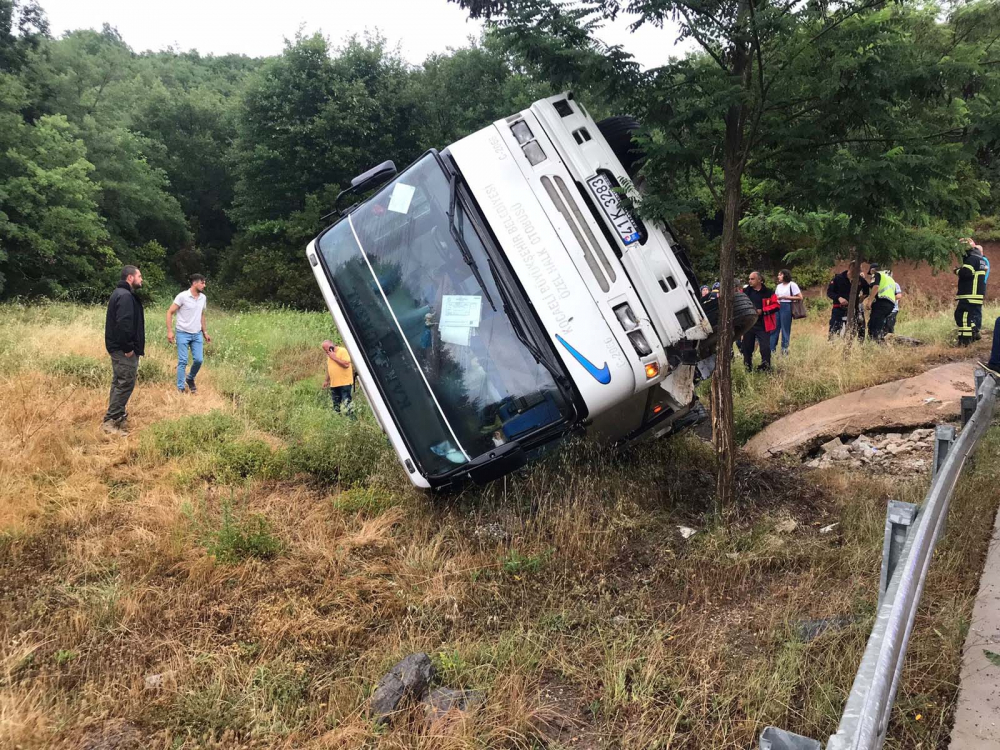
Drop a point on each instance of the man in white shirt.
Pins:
(189, 306)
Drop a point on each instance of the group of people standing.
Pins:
(125, 340)
(775, 312)
(885, 295)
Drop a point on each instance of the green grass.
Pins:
(233, 536)
(191, 435)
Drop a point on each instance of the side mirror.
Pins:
(373, 177)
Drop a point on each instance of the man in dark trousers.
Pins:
(971, 294)
(839, 292)
(125, 340)
(883, 288)
(760, 295)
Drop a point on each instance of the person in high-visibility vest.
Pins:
(970, 296)
(883, 302)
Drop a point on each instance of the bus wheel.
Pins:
(618, 132)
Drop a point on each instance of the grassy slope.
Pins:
(268, 561)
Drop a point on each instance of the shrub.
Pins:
(189, 435)
(80, 369)
(811, 274)
(343, 451)
(246, 459)
(239, 539)
(151, 371)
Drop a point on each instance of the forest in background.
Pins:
(884, 128)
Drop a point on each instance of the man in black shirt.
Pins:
(839, 292)
(125, 340)
(760, 296)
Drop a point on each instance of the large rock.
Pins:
(930, 398)
(406, 682)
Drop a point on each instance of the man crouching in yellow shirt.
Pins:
(339, 377)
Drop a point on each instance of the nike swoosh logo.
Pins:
(600, 374)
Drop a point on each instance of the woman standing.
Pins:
(787, 291)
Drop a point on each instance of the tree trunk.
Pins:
(850, 329)
(722, 382)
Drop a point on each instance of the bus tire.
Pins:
(618, 132)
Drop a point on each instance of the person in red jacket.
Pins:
(766, 303)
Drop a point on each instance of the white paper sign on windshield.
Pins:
(459, 315)
(402, 194)
(460, 310)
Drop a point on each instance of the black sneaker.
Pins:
(191, 386)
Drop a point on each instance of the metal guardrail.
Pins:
(911, 533)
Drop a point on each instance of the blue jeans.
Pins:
(341, 394)
(784, 328)
(196, 342)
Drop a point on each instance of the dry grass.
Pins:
(565, 593)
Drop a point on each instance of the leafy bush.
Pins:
(245, 459)
(80, 369)
(808, 275)
(341, 451)
(987, 229)
(190, 435)
(239, 539)
(151, 371)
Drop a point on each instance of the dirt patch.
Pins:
(572, 725)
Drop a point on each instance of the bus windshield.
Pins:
(457, 378)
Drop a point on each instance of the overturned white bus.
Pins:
(495, 297)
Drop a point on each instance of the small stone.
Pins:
(814, 464)
(157, 681)
(686, 531)
(869, 453)
(841, 454)
(407, 680)
(831, 446)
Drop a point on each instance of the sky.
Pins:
(259, 27)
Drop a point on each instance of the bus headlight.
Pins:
(522, 132)
(639, 343)
(626, 317)
(534, 153)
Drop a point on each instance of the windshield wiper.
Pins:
(456, 233)
(515, 324)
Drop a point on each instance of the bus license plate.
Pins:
(618, 216)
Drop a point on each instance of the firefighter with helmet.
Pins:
(971, 293)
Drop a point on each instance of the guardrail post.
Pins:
(968, 408)
(944, 436)
(899, 519)
(979, 376)
(773, 738)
